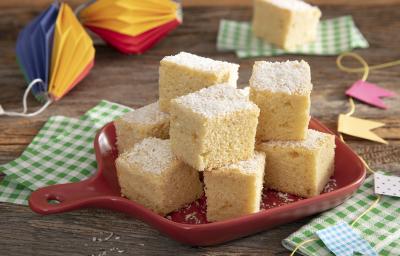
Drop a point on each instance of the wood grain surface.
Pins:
(132, 80)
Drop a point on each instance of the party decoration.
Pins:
(342, 240)
(56, 49)
(386, 185)
(131, 26)
(359, 128)
(373, 216)
(34, 49)
(54, 53)
(369, 93)
(366, 92)
(72, 55)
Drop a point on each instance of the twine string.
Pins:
(82, 6)
(365, 67)
(25, 103)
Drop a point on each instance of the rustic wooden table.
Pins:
(132, 80)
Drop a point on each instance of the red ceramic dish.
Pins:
(188, 225)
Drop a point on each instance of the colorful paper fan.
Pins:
(131, 26)
(55, 48)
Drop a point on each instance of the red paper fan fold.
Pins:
(135, 44)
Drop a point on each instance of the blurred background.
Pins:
(15, 3)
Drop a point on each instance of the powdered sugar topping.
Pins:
(291, 77)
(200, 63)
(296, 5)
(314, 139)
(149, 114)
(249, 166)
(151, 155)
(217, 100)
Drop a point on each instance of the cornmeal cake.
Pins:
(285, 23)
(144, 122)
(151, 175)
(185, 73)
(213, 127)
(282, 92)
(235, 190)
(300, 167)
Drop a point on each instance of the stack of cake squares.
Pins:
(237, 140)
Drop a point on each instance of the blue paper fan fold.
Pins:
(34, 47)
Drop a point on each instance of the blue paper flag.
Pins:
(342, 240)
(34, 48)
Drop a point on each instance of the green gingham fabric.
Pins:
(61, 152)
(12, 192)
(380, 226)
(334, 36)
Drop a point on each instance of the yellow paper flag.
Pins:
(72, 52)
(358, 127)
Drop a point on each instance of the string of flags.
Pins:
(366, 92)
(55, 52)
(342, 238)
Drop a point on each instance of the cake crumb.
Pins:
(109, 236)
(330, 186)
(284, 197)
(191, 217)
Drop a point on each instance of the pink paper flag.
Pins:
(369, 93)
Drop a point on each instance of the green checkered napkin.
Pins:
(334, 37)
(380, 226)
(13, 192)
(61, 152)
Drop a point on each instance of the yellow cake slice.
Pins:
(235, 190)
(213, 127)
(152, 176)
(144, 122)
(282, 92)
(285, 23)
(301, 168)
(184, 73)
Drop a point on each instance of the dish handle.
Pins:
(67, 197)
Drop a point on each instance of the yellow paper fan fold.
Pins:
(130, 17)
(72, 52)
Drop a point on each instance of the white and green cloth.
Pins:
(334, 36)
(61, 152)
(380, 226)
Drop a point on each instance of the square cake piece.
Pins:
(301, 168)
(235, 190)
(291, 23)
(213, 127)
(152, 176)
(184, 73)
(144, 122)
(282, 92)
